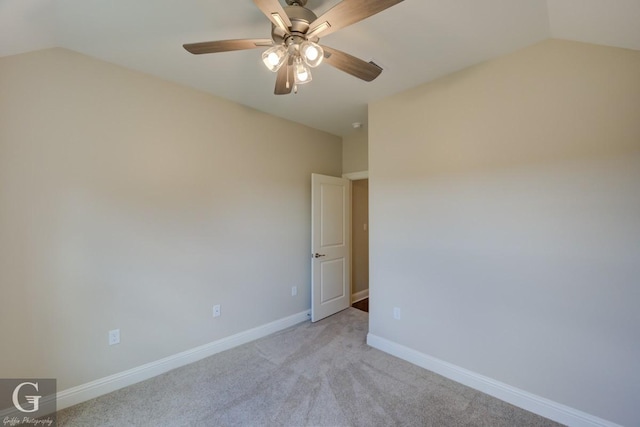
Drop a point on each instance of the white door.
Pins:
(330, 245)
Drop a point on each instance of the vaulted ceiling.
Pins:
(415, 41)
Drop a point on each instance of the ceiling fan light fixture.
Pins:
(312, 53)
(293, 48)
(274, 57)
(301, 72)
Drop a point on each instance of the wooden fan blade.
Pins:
(346, 13)
(284, 79)
(226, 45)
(366, 71)
(276, 14)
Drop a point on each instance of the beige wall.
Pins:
(360, 235)
(355, 152)
(130, 202)
(505, 221)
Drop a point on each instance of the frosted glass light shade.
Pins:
(312, 53)
(274, 57)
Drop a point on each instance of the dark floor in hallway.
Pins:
(362, 305)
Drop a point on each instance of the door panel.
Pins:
(332, 231)
(330, 240)
(332, 273)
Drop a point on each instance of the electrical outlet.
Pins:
(216, 310)
(396, 313)
(294, 291)
(114, 337)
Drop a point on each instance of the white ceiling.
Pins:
(415, 41)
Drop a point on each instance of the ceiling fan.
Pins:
(293, 48)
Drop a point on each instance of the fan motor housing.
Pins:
(300, 18)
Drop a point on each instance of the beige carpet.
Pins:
(320, 374)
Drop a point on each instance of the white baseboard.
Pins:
(114, 382)
(522, 399)
(359, 296)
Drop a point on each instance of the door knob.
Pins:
(318, 255)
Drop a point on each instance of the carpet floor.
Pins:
(312, 374)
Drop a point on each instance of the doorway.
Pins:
(360, 244)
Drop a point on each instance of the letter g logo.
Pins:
(34, 400)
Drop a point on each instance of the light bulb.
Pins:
(274, 57)
(302, 73)
(312, 53)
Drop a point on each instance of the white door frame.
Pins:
(354, 176)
